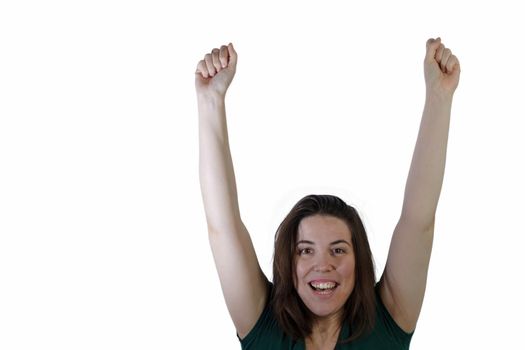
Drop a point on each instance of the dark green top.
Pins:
(386, 335)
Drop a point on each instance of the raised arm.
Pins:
(425, 177)
(403, 282)
(243, 283)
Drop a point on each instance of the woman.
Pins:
(323, 294)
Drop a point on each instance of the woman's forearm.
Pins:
(217, 178)
(427, 169)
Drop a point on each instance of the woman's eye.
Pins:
(339, 250)
(305, 251)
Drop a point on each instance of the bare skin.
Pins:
(403, 282)
(320, 257)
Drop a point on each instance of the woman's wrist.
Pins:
(439, 96)
(210, 98)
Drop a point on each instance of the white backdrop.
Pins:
(103, 241)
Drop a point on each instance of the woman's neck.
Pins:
(325, 333)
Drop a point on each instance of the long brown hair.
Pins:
(293, 315)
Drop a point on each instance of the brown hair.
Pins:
(293, 315)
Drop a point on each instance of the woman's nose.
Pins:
(323, 263)
(324, 268)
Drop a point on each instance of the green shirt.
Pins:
(386, 335)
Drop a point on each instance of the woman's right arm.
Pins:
(243, 283)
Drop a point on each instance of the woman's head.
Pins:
(324, 264)
(322, 243)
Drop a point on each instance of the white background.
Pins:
(103, 240)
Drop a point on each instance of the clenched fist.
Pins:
(216, 71)
(441, 69)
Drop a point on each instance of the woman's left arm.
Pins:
(403, 282)
(425, 177)
(427, 169)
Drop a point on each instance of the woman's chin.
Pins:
(322, 313)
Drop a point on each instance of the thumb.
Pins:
(233, 56)
(432, 46)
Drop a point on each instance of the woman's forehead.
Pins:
(318, 228)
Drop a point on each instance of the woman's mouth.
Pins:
(323, 288)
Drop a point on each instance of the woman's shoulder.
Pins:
(266, 334)
(266, 321)
(386, 324)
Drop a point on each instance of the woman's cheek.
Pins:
(348, 268)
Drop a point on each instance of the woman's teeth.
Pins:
(323, 286)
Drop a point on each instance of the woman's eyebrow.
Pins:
(334, 242)
(305, 241)
(340, 241)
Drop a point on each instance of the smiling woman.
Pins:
(324, 294)
(323, 241)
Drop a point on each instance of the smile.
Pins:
(323, 288)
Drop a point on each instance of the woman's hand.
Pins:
(441, 69)
(216, 71)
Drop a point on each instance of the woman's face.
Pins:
(325, 264)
